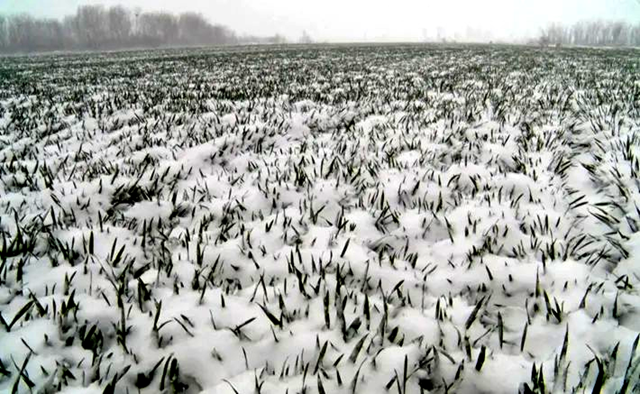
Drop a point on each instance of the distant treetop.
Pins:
(95, 27)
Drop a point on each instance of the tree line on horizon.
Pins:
(94, 27)
(592, 33)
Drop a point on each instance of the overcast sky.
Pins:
(368, 20)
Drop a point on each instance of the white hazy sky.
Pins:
(368, 20)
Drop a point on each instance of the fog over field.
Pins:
(225, 197)
(72, 24)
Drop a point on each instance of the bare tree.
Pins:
(69, 33)
(120, 25)
(635, 35)
(168, 28)
(91, 25)
(47, 34)
(579, 33)
(223, 35)
(194, 29)
(592, 33)
(305, 38)
(20, 33)
(277, 39)
(158, 28)
(4, 34)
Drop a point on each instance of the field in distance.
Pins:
(321, 219)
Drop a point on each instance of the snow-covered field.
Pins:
(398, 219)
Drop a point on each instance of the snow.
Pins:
(370, 220)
